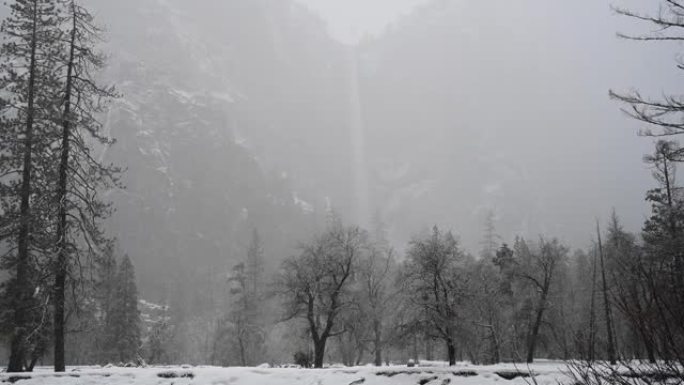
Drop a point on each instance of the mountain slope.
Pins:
(216, 131)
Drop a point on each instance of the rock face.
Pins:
(234, 122)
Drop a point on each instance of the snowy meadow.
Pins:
(542, 373)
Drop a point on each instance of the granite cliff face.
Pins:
(221, 129)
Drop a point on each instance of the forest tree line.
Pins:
(348, 297)
(619, 299)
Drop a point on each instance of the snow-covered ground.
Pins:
(545, 373)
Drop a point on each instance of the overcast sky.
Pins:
(349, 20)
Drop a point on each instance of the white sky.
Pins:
(350, 20)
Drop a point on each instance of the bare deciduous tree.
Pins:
(537, 266)
(434, 283)
(317, 285)
(377, 294)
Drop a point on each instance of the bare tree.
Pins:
(434, 283)
(376, 273)
(488, 303)
(664, 116)
(317, 285)
(538, 267)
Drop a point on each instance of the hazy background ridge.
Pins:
(240, 114)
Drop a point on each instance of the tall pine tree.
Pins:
(81, 176)
(28, 85)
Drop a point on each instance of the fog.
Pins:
(351, 21)
(269, 113)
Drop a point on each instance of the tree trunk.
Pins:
(378, 342)
(496, 351)
(532, 341)
(62, 263)
(32, 364)
(243, 361)
(319, 352)
(650, 351)
(60, 279)
(451, 351)
(359, 357)
(606, 302)
(22, 295)
(592, 314)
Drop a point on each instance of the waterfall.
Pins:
(357, 133)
